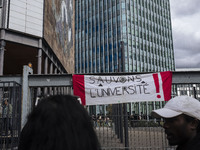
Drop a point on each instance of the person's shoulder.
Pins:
(195, 144)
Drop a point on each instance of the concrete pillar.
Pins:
(55, 70)
(2, 49)
(39, 66)
(55, 92)
(51, 72)
(59, 88)
(26, 95)
(45, 72)
(65, 90)
(46, 65)
(51, 68)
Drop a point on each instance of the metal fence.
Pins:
(134, 129)
(10, 114)
(121, 126)
(142, 134)
(141, 131)
(37, 93)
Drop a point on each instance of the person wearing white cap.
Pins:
(181, 122)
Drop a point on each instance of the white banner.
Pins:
(94, 89)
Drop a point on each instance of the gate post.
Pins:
(124, 105)
(26, 103)
(126, 127)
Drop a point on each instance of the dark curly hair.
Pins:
(58, 123)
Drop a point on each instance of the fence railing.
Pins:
(135, 129)
(144, 132)
(10, 114)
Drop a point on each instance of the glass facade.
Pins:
(143, 25)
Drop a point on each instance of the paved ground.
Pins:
(146, 138)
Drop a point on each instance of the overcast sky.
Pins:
(186, 32)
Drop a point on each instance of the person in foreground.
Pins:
(181, 122)
(58, 123)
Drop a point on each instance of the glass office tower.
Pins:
(144, 26)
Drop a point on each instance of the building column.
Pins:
(55, 92)
(46, 65)
(2, 49)
(51, 72)
(51, 68)
(58, 89)
(39, 66)
(45, 72)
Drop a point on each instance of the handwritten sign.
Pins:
(94, 89)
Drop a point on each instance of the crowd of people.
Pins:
(101, 120)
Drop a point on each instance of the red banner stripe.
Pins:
(157, 85)
(167, 84)
(79, 87)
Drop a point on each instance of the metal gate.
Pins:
(115, 128)
(141, 132)
(10, 114)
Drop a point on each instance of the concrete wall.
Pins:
(59, 32)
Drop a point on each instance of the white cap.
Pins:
(177, 106)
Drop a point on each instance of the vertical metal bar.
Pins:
(119, 108)
(125, 105)
(147, 108)
(117, 120)
(19, 96)
(130, 105)
(195, 93)
(120, 123)
(14, 106)
(126, 127)
(3, 89)
(7, 117)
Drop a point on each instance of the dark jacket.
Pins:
(192, 145)
(7, 111)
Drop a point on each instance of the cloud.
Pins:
(186, 32)
(186, 59)
(185, 7)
